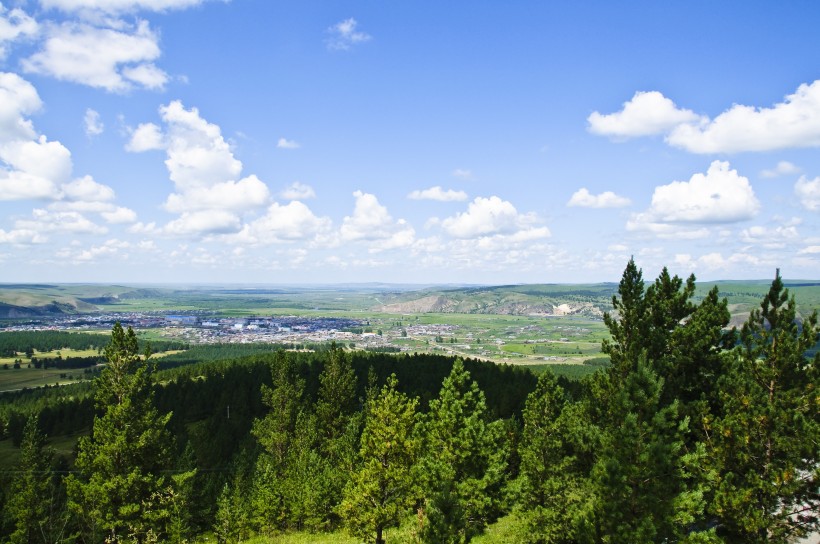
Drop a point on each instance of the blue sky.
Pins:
(462, 142)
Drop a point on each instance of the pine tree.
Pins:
(464, 468)
(767, 443)
(34, 491)
(642, 475)
(557, 452)
(380, 492)
(122, 464)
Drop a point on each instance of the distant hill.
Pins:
(587, 300)
(533, 300)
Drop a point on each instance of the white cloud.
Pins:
(795, 122)
(87, 190)
(298, 191)
(198, 155)
(810, 250)
(485, 217)
(14, 24)
(59, 221)
(284, 143)
(716, 261)
(210, 196)
(344, 35)
(119, 215)
(92, 254)
(31, 166)
(203, 222)
(21, 237)
(783, 168)
(283, 223)
(146, 137)
(238, 196)
(808, 191)
(584, 199)
(439, 194)
(117, 7)
(93, 125)
(462, 173)
(719, 196)
(41, 158)
(18, 99)
(776, 237)
(114, 59)
(646, 114)
(371, 222)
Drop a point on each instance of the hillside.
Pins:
(534, 300)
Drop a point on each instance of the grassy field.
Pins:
(10, 456)
(14, 379)
(505, 530)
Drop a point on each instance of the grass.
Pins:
(18, 378)
(65, 352)
(63, 446)
(506, 530)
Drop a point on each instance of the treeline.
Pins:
(694, 433)
(14, 342)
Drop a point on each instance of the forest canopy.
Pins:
(694, 432)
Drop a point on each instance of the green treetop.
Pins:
(121, 465)
(381, 490)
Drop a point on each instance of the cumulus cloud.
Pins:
(31, 166)
(584, 199)
(204, 171)
(284, 223)
(485, 217)
(146, 137)
(646, 114)
(344, 35)
(93, 125)
(795, 122)
(284, 143)
(439, 194)
(229, 195)
(22, 237)
(719, 196)
(198, 155)
(119, 215)
(114, 59)
(808, 191)
(204, 222)
(783, 168)
(45, 221)
(298, 191)
(88, 190)
(14, 24)
(372, 223)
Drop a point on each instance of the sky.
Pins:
(486, 142)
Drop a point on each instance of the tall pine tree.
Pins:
(381, 490)
(36, 505)
(465, 462)
(122, 465)
(767, 443)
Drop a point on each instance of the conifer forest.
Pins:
(695, 431)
